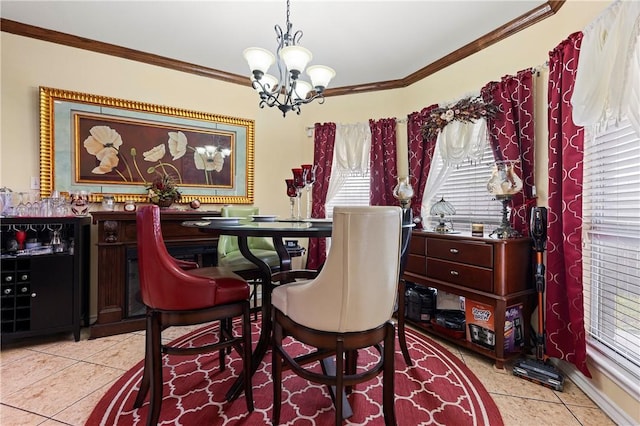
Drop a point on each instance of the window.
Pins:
(466, 190)
(611, 244)
(354, 192)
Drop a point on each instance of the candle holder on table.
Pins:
(292, 193)
(299, 181)
(309, 172)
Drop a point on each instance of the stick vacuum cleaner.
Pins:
(538, 370)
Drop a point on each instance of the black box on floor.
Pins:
(420, 303)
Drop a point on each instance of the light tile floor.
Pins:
(54, 381)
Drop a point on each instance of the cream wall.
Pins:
(281, 143)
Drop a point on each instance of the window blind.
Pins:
(611, 243)
(466, 190)
(354, 192)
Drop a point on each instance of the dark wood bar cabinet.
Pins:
(45, 276)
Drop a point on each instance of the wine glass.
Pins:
(21, 209)
(21, 236)
(299, 181)
(292, 193)
(309, 171)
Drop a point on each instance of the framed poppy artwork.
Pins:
(106, 145)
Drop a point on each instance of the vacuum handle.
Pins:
(538, 228)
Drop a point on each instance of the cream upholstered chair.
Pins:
(347, 307)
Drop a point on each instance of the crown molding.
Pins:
(520, 23)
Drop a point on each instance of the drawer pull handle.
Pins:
(7, 291)
(454, 250)
(454, 273)
(8, 279)
(25, 277)
(34, 294)
(24, 289)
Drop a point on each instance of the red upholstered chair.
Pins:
(176, 294)
(347, 307)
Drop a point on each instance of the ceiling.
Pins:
(368, 43)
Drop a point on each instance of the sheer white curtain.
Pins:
(457, 142)
(608, 75)
(351, 154)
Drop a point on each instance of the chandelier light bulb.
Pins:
(320, 76)
(259, 60)
(268, 83)
(302, 90)
(295, 59)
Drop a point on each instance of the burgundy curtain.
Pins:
(420, 155)
(324, 141)
(564, 308)
(511, 134)
(383, 162)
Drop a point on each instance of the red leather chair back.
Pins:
(164, 285)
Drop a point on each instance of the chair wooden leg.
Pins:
(255, 299)
(225, 333)
(155, 402)
(388, 385)
(339, 381)
(144, 383)
(351, 366)
(246, 356)
(276, 372)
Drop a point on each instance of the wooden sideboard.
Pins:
(117, 262)
(492, 272)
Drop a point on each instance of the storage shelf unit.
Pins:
(489, 271)
(44, 291)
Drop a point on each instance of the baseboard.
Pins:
(610, 408)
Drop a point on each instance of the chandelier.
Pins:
(288, 91)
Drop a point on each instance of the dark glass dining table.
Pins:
(277, 230)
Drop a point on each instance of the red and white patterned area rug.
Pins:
(437, 390)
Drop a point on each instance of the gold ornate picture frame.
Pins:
(106, 145)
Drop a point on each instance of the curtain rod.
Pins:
(398, 120)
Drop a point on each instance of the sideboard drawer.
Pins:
(457, 273)
(471, 252)
(418, 245)
(416, 264)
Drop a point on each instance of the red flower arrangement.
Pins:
(466, 110)
(163, 190)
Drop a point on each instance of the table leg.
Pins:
(267, 326)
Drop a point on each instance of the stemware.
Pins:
(21, 209)
(292, 193)
(299, 181)
(309, 170)
(21, 236)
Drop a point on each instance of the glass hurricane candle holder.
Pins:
(309, 171)
(292, 193)
(299, 181)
